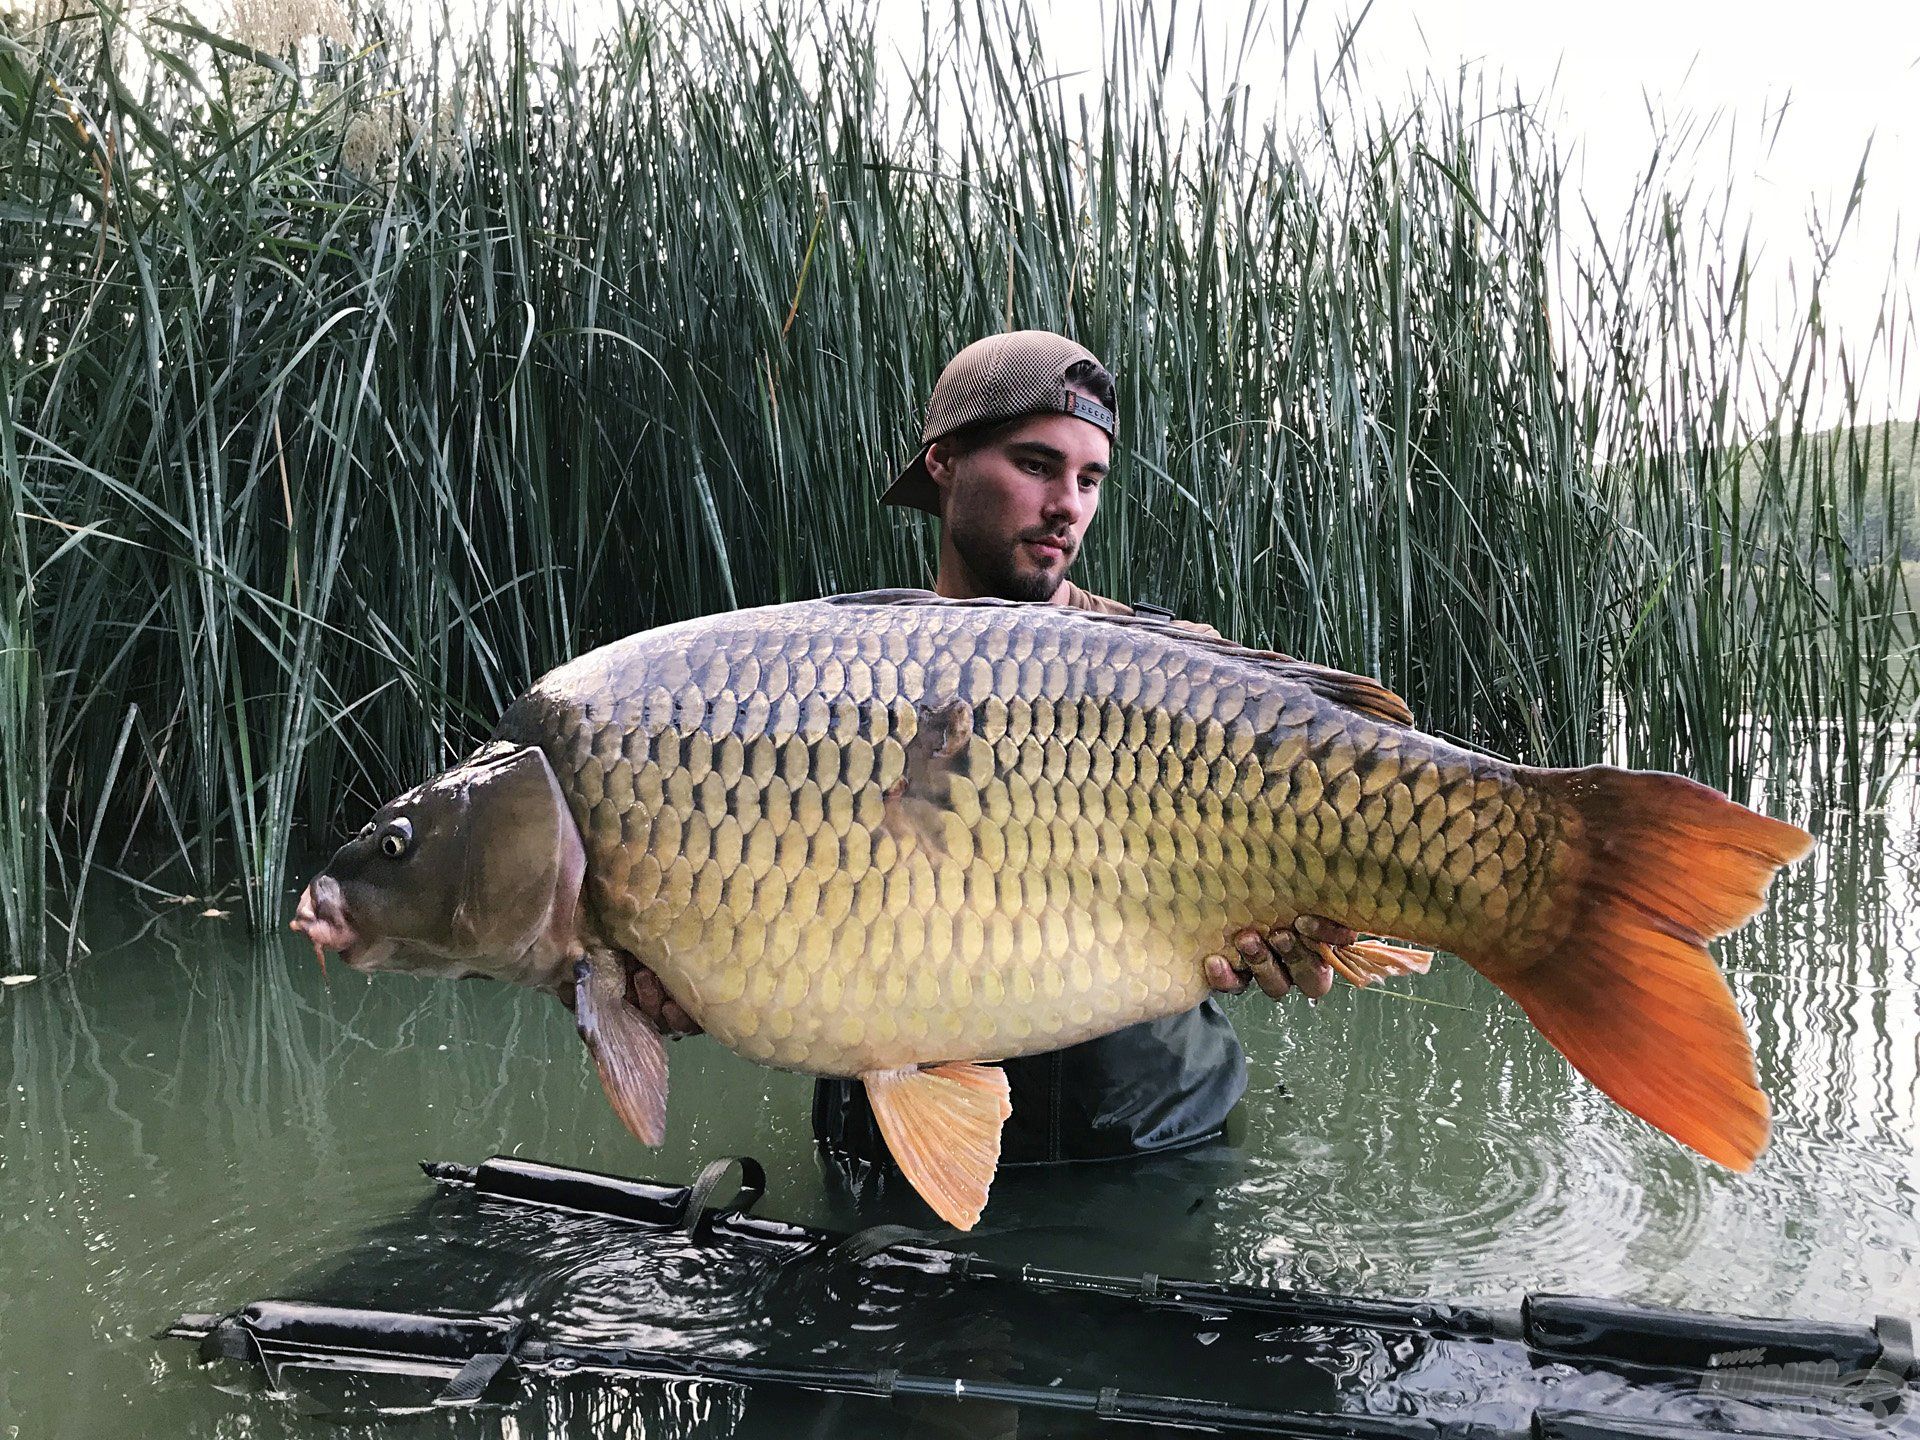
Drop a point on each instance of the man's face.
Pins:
(1014, 510)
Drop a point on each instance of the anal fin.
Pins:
(1366, 961)
(943, 1126)
(626, 1049)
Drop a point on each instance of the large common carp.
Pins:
(892, 836)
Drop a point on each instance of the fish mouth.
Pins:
(321, 916)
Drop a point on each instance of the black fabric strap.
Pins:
(1896, 1346)
(863, 1245)
(753, 1186)
(478, 1373)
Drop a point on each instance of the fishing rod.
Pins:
(471, 1351)
(1554, 1327)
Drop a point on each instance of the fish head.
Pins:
(475, 872)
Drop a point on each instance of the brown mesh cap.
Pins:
(1023, 372)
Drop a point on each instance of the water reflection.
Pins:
(189, 1124)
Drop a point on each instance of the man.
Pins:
(1017, 442)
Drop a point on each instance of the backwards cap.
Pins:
(1002, 377)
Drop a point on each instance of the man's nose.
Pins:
(1062, 502)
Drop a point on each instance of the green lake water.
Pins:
(192, 1121)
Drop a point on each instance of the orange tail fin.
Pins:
(1630, 995)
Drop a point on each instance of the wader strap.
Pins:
(753, 1186)
(1151, 611)
(863, 1245)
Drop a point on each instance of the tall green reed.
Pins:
(351, 387)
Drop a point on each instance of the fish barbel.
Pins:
(893, 836)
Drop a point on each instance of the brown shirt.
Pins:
(1072, 595)
(1080, 599)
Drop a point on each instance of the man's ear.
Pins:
(940, 463)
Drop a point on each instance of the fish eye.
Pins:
(398, 837)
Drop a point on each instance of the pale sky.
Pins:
(1784, 97)
(1800, 89)
(1796, 92)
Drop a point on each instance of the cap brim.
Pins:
(914, 488)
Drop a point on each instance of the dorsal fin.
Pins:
(902, 597)
(1359, 693)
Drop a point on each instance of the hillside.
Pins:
(1887, 460)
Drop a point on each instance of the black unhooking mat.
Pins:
(776, 1317)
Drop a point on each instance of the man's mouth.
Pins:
(1050, 547)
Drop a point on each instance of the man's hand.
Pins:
(647, 995)
(650, 997)
(1279, 960)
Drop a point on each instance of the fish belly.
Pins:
(858, 837)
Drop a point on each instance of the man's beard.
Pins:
(994, 569)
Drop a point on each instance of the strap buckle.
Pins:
(1085, 409)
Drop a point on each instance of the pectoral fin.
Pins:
(943, 1126)
(628, 1051)
(918, 807)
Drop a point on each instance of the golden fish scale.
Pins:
(853, 837)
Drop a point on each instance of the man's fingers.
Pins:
(1272, 978)
(1282, 959)
(678, 1021)
(645, 990)
(1257, 956)
(651, 999)
(1309, 968)
(1327, 932)
(1222, 976)
(1312, 974)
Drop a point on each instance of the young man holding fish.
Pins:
(892, 838)
(1017, 442)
